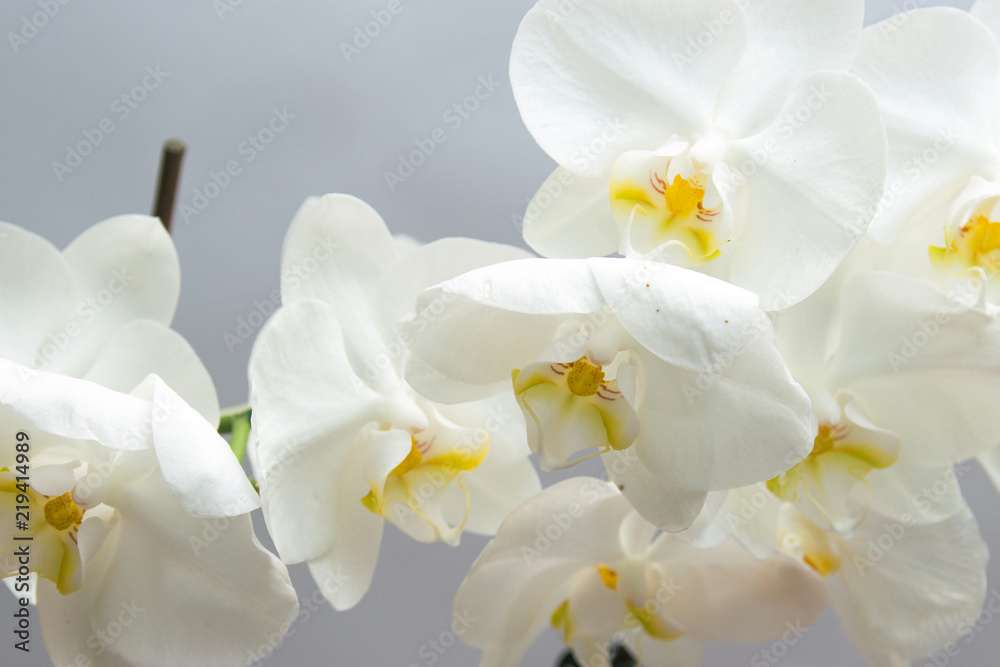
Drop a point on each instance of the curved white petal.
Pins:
(910, 588)
(125, 268)
(663, 504)
(988, 11)
(685, 318)
(301, 382)
(462, 327)
(937, 79)
(434, 263)
(141, 347)
(37, 296)
(197, 464)
(607, 76)
(788, 40)
(740, 425)
(570, 216)
(169, 575)
(811, 182)
(336, 250)
(920, 365)
(726, 594)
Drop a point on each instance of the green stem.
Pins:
(236, 422)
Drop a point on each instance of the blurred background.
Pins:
(305, 103)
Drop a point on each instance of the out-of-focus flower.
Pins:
(579, 558)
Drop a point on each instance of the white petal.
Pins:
(75, 409)
(788, 40)
(813, 179)
(37, 295)
(988, 11)
(743, 424)
(663, 504)
(570, 216)
(435, 263)
(912, 589)
(197, 464)
(141, 347)
(726, 594)
(302, 385)
(337, 250)
(623, 71)
(936, 80)
(921, 366)
(462, 327)
(172, 575)
(125, 268)
(685, 318)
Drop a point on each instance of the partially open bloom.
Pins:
(343, 442)
(674, 377)
(578, 558)
(720, 136)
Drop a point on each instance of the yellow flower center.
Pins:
(584, 378)
(682, 196)
(976, 244)
(62, 513)
(608, 576)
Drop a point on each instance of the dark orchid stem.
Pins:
(621, 658)
(170, 176)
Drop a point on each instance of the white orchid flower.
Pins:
(729, 136)
(578, 558)
(343, 442)
(133, 514)
(671, 375)
(100, 309)
(939, 220)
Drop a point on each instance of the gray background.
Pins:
(352, 121)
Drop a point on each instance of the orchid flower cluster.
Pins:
(764, 293)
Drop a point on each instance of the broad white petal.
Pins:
(920, 365)
(570, 216)
(685, 318)
(740, 425)
(988, 11)
(125, 268)
(141, 347)
(337, 250)
(935, 75)
(811, 184)
(174, 575)
(912, 589)
(621, 74)
(726, 594)
(37, 297)
(301, 383)
(462, 327)
(788, 40)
